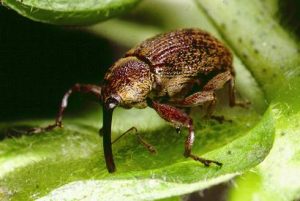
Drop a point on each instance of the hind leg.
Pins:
(214, 84)
(219, 81)
(232, 96)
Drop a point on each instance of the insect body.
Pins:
(170, 71)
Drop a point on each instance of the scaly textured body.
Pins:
(181, 58)
(178, 69)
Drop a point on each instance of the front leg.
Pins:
(81, 88)
(179, 118)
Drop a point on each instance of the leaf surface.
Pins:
(277, 69)
(70, 12)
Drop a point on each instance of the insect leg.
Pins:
(195, 99)
(200, 98)
(232, 96)
(148, 146)
(179, 118)
(216, 83)
(82, 88)
(207, 95)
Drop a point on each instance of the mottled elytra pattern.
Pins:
(181, 58)
(186, 51)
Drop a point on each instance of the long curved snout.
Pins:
(107, 120)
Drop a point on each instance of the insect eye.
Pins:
(111, 103)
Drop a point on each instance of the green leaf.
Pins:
(277, 69)
(70, 12)
(278, 175)
(32, 166)
(67, 164)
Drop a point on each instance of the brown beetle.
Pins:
(182, 68)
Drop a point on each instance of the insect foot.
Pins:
(206, 162)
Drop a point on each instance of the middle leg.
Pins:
(179, 118)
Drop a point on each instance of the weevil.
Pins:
(169, 72)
